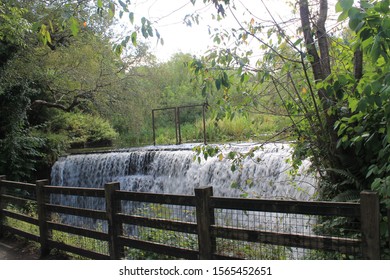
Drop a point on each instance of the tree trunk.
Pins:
(320, 63)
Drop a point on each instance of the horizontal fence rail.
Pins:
(199, 226)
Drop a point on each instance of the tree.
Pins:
(54, 68)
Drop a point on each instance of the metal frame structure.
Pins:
(177, 121)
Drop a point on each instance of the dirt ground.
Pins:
(13, 248)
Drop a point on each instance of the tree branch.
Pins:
(323, 38)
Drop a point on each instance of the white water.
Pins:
(173, 170)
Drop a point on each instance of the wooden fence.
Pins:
(205, 227)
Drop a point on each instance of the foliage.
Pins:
(74, 70)
(83, 130)
(366, 129)
(166, 237)
(13, 26)
(19, 154)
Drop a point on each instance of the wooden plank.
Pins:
(185, 200)
(78, 230)
(21, 233)
(93, 192)
(18, 185)
(159, 248)
(78, 251)
(16, 200)
(288, 206)
(95, 214)
(158, 223)
(342, 245)
(21, 217)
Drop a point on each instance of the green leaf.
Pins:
(297, 42)
(376, 184)
(231, 155)
(131, 17)
(367, 90)
(388, 132)
(51, 26)
(48, 37)
(124, 6)
(244, 78)
(111, 10)
(134, 38)
(356, 19)
(74, 26)
(353, 103)
(346, 4)
(340, 94)
(385, 6)
(150, 31)
(342, 16)
(218, 84)
(225, 80)
(339, 8)
(375, 49)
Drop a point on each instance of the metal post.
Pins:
(154, 132)
(178, 129)
(204, 123)
(176, 125)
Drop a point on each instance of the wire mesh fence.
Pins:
(158, 213)
(237, 228)
(279, 229)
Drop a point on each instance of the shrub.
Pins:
(84, 130)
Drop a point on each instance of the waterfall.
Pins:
(173, 170)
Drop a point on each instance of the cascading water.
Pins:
(173, 170)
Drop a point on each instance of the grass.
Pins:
(239, 128)
(82, 242)
(226, 247)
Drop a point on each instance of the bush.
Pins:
(84, 130)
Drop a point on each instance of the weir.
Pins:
(172, 169)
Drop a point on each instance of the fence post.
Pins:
(370, 219)
(115, 228)
(44, 233)
(388, 226)
(2, 177)
(205, 218)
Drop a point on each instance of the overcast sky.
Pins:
(168, 17)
